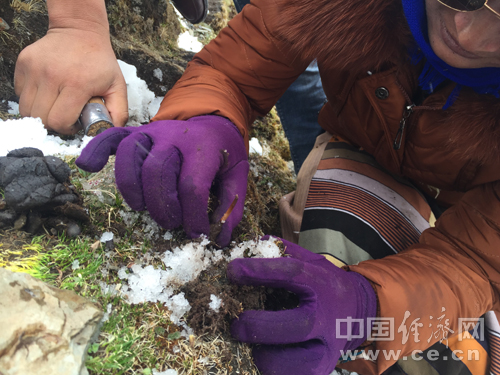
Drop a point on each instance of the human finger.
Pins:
(117, 104)
(160, 174)
(26, 100)
(130, 157)
(66, 110)
(43, 102)
(96, 154)
(306, 359)
(19, 77)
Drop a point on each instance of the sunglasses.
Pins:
(468, 5)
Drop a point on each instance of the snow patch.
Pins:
(255, 146)
(215, 302)
(29, 132)
(109, 309)
(178, 306)
(107, 236)
(14, 108)
(154, 106)
(138, 94)
(166, 372)
(188, 42)
(182, 264)
(158, 74)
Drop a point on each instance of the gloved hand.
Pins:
(31, 180)
(169, 166)
(326, 293)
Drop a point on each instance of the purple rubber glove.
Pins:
(168, 168)
(326, 293)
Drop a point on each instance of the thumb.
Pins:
(117, 104)
(95, 155)
(66, 110)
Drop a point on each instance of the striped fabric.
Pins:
(355, 211)
(356, 206)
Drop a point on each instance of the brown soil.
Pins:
(235, 299)
(201, 318)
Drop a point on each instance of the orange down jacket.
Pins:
(453, 154)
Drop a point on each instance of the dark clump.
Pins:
(38, 194)
(235, 299)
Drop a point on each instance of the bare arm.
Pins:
(59, 73)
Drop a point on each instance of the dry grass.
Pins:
(29, 6)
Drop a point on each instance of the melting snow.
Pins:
(138, 94)
(14, 108)
(215, 302)
(255, 146)
(158, 74)
(147, 284)
(107, 236)
(29, 132)
(188, 42)
(167, 372)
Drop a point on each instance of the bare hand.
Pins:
(59, 73)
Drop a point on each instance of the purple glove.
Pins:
(326, 293)
(168, 167)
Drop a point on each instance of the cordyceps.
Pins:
(216, 228)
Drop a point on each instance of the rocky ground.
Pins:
(141, 338)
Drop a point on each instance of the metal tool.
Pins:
(95, 117)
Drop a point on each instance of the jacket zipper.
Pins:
(408, 110)
(402, 125)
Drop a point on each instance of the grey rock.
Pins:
(7, 217)
(32, 181)
(25, 152)
(59, 169)
(43, 330)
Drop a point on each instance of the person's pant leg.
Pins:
(239, 4)
(298, 109)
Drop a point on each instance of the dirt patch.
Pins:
(204, 319)
(235, 299)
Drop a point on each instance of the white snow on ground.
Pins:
(14, 108)
(167, 372)
(138, 94)
(154, 106)
(147, 284)
(188, 42)
(107, 236)
(158, 74)
(75, 265)
(29, 132)
(255, 146)
(215, 302)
